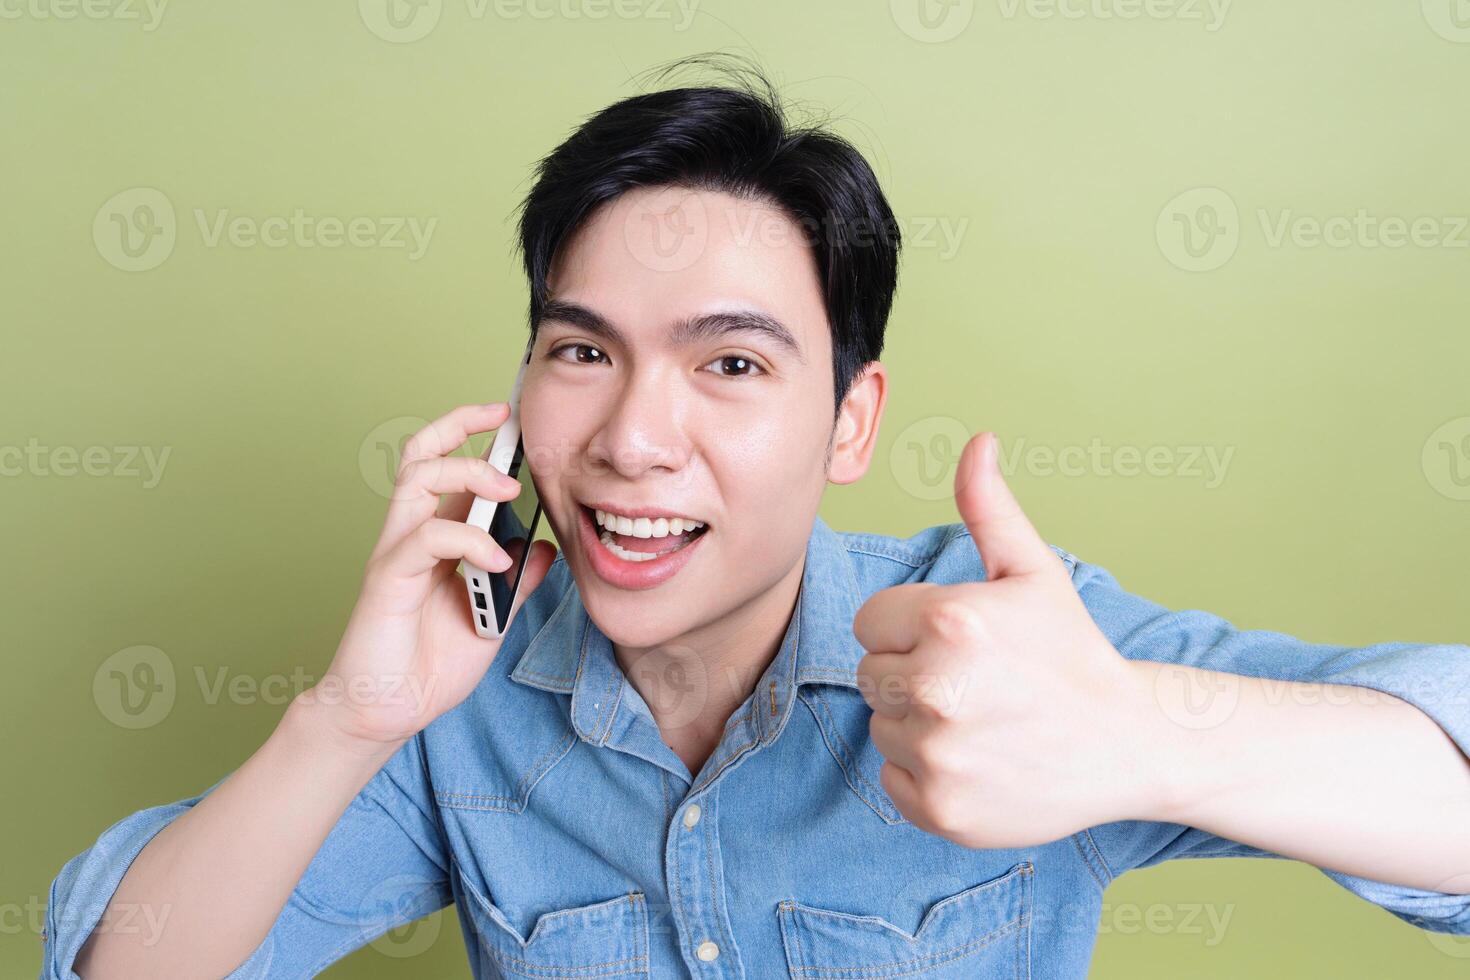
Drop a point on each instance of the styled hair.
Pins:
(733, 139)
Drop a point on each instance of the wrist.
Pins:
(317, 723)
(1167, 721)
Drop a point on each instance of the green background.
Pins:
(1051, 146)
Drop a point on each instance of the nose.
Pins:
(644, 429)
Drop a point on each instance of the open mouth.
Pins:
(642, 539)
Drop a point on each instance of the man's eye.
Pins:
(735, 366)
(583, 353)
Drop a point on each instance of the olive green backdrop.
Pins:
(1142, 237)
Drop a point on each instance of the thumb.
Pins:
(1008, 543)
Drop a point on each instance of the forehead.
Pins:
(654, 256)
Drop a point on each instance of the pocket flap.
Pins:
(981, 931)
(604, 939)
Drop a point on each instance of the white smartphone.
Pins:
(491, 594)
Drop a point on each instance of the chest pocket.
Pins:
(981, 933)
(606, 939)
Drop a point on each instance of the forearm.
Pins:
(233, 858)
(1344, 778)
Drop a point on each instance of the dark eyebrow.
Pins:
(685, 332)
(579, 316)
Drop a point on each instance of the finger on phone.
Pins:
(439, 540)
(451, 430)
(417, 497)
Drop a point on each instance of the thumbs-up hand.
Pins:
(1004, 715)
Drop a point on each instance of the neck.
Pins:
(695, 682)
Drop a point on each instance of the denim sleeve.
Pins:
(384, 864)
(1433, 677)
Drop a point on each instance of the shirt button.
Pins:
(707, 951)
(691, 816)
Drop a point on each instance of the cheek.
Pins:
(552, 437)
(767, 468)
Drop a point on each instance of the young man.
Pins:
(771, 749)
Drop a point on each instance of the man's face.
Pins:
(653, 389)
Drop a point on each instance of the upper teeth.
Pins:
(643, 527)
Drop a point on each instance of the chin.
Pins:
(627, 622)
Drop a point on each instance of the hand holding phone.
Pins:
(411, 650)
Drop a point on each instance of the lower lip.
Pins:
(626, 574)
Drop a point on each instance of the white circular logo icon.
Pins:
(932, 21)
(134, 688)
(1450, 19)
(669, 237)
(135, 229)
(1199, 230)
(381, 450)
(1204, 699)
(400, 21)
(1446, 459)
(925, 455)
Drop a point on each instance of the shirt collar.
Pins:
(570, 655)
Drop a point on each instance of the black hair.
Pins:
(734, 139)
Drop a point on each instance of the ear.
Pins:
(855, 435)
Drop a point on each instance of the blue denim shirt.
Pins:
(575, 844)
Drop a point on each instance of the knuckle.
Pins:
(413, 446)
(408, 473)
(944, 815)
(950, 620)
(930, 755)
